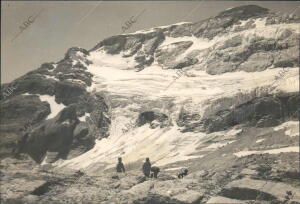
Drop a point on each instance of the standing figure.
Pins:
(120, 166)
(147, 167)
(154, 171)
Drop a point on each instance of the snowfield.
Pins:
(195, 90)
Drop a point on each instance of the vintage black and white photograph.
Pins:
(149, 102)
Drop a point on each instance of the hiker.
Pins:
(147, 167)
(182, 173)
(154, 171)
(120, 166)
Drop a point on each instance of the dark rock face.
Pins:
(236, 54)
(243, 12)
(54, 135)
(34, 83)
(261, 112)
(72, 53)
(276, 18)
(64, 135)
(18, 113)
(265, 111)
(112, 45)
(187, 121)
(82, 141)
(214, 26)
(155, 119)
(68, 93)
(167, 55)
(260, 54)
(247, 194)
(141, 45)
(59, 137)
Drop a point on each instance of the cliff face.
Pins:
(47, 110)
(234, 40)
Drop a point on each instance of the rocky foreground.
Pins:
(219, 177)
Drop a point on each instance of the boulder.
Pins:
(150, 116)
(68, 93)
(166, 55)
(54, 135)
(15, 122)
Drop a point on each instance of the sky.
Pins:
(64, 24)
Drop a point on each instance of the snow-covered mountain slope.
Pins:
(185, 80)
(218, 94)
(228, 70)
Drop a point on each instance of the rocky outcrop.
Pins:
(264, 111)
(258, 54)
(54, 135)
(243, 50)
(222, 22)
(19, 114)
(166, 55)
(67, 81)
(153, 118)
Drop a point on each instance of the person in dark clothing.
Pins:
(147, 167)
(183, 173)
(154, 171)
(120, 166)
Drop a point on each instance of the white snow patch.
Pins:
(174, 169)
(51, 77)
(271, 151)
(198, 44)
(80, 54)
(259, 140)
(102, 59)
(291, 128)
(44, 161)
(260, 22)
(290, 81)
(228, 8)
(55, 108)
(219, 145)
(244, 22)
(234, 132)
(66, 123)
(162, 146)
(83, 118)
